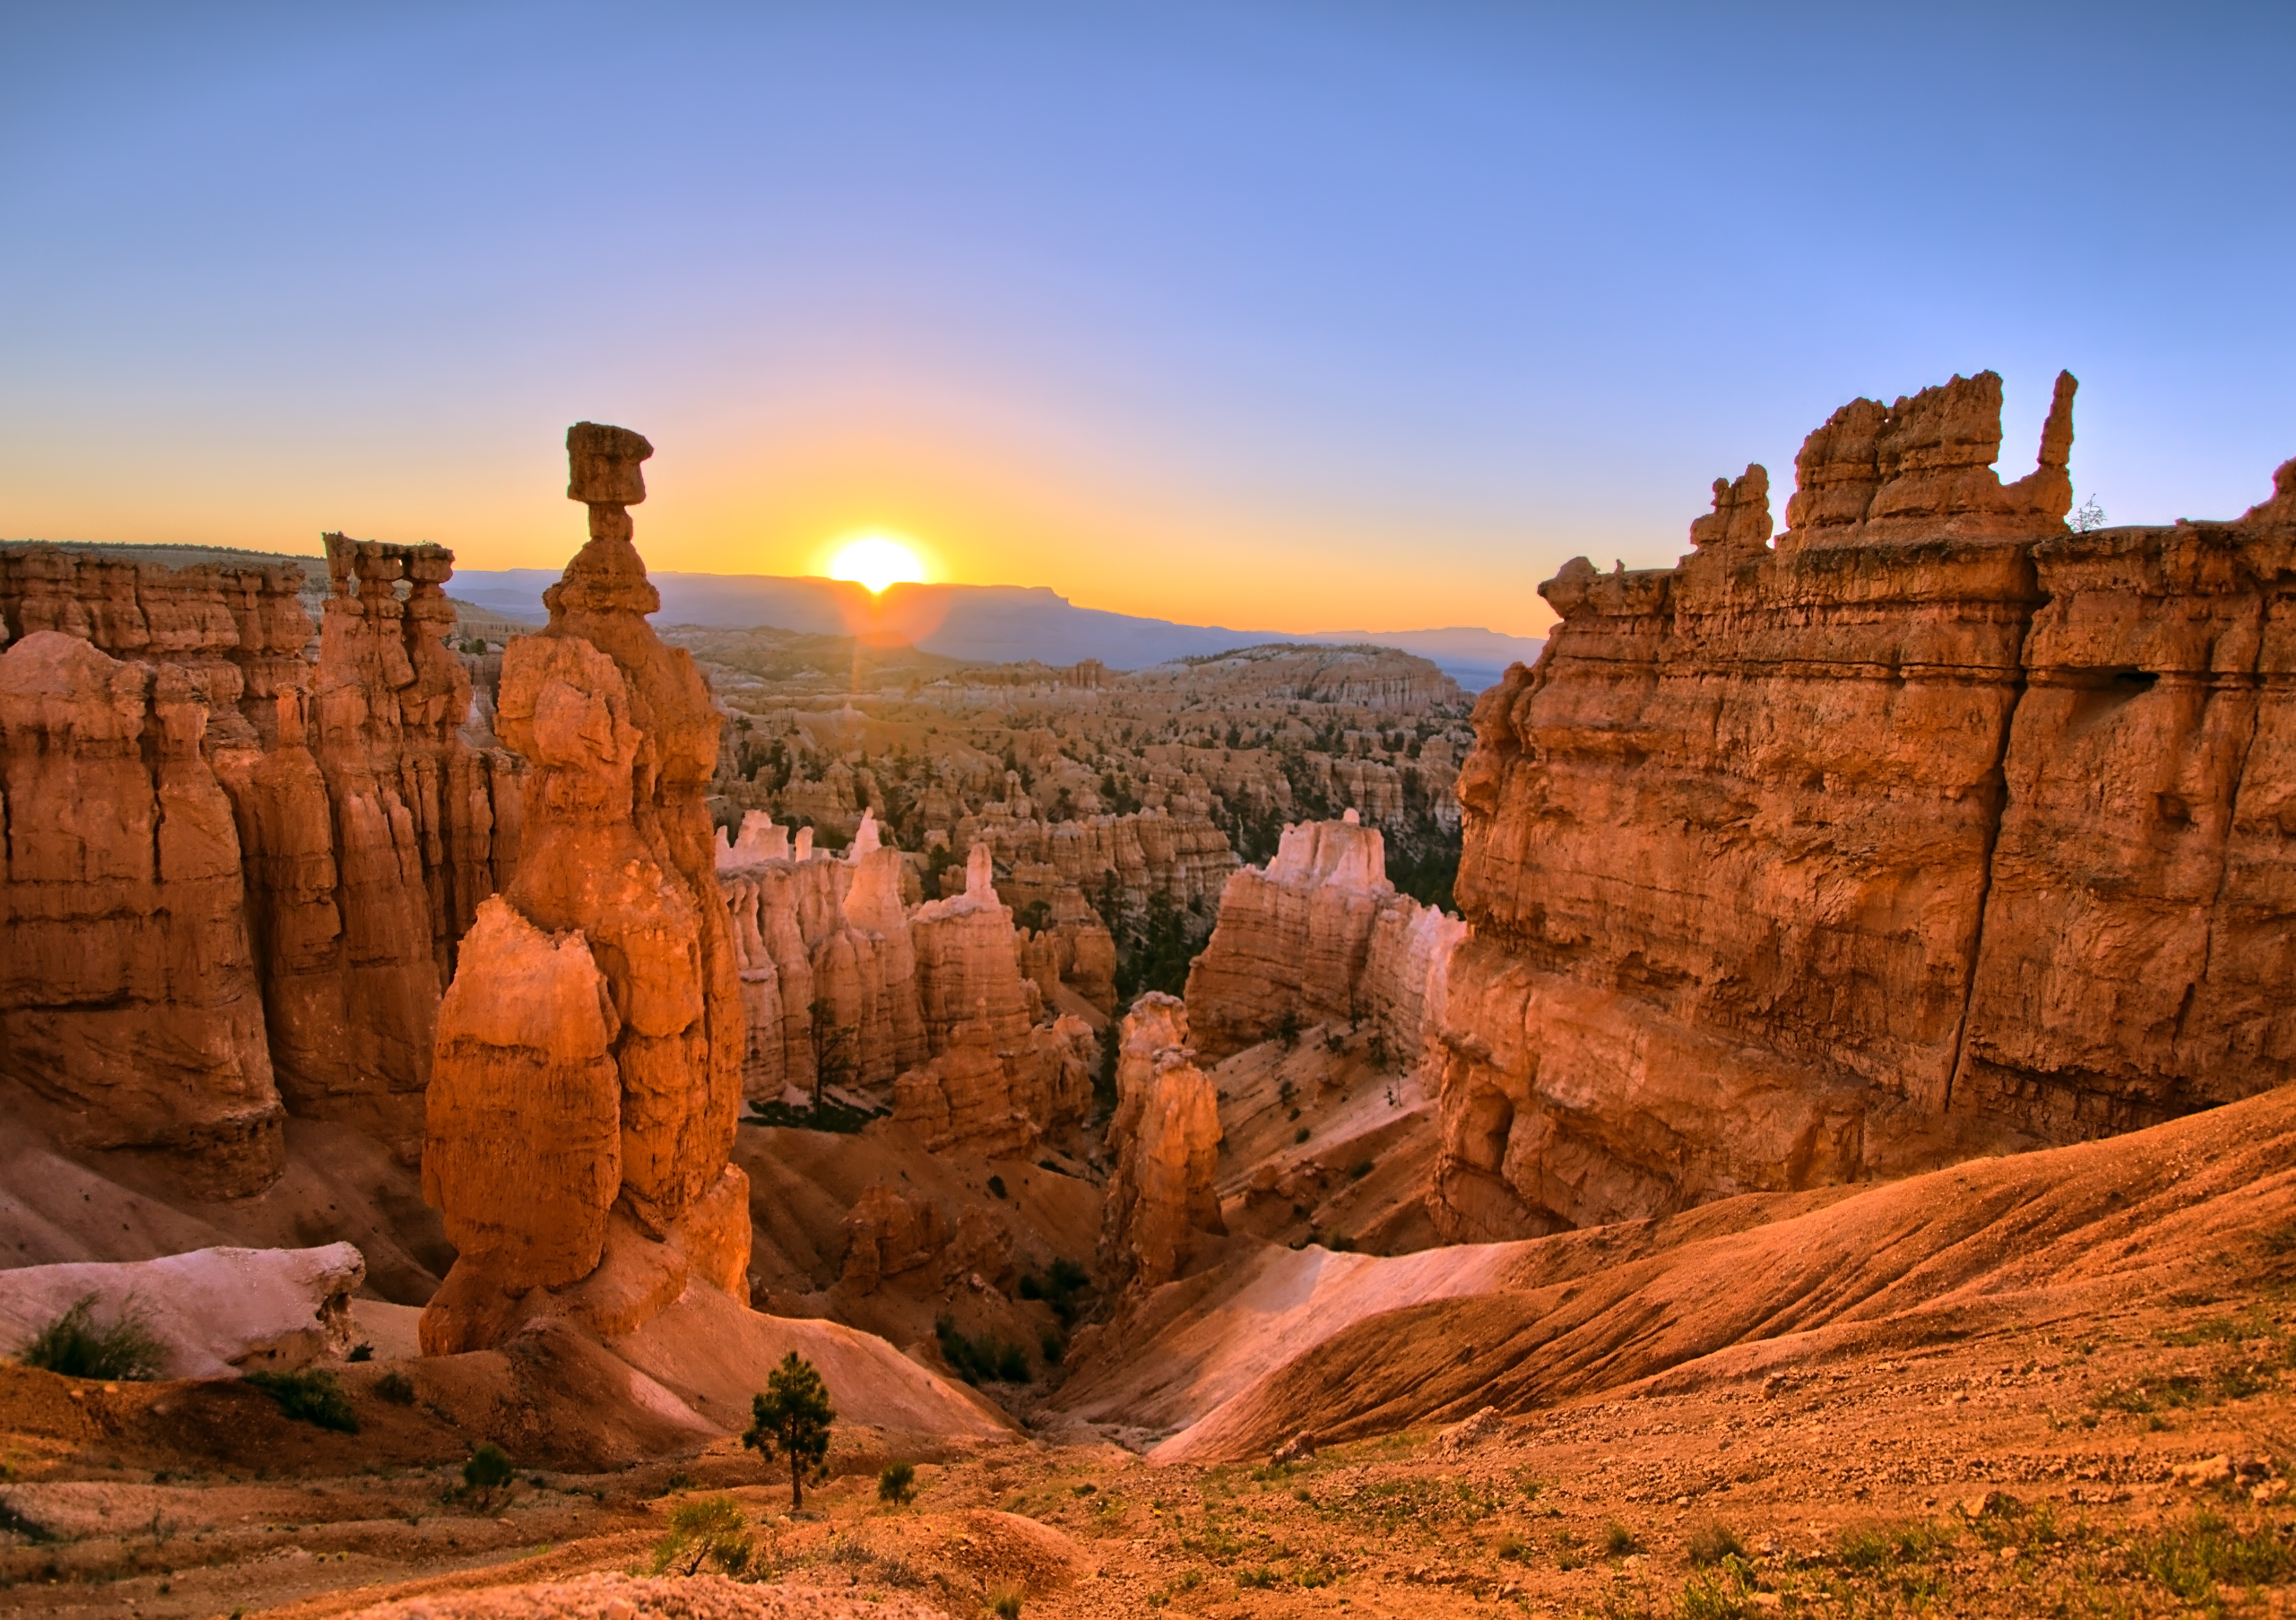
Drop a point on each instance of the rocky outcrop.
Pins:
(889, 1235)
(356, 835)
(128, 996)
(214, 1313)
(1320, 937)
(359, 921)
(603, 978)
(968, 963)
(1000, 1102)
(1164, 1142)
(1930, 828)
(827, 968)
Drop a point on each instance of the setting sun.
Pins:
(876, 561)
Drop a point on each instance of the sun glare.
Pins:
(876, 561)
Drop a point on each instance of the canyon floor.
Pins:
(2025, 1463)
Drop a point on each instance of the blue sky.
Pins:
(1298, 316)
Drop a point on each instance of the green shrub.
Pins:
(1005, 1603)
(487, 1471)
(706, 1530)
(311, 1395)
(396, 1387)
(897, 1482)
(2192, 1559)
(986, 1359)
(1618, 1541)
(74, 1345)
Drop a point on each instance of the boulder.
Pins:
(216, 1312)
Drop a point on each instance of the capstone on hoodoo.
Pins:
(599, 990)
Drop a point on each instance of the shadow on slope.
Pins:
(1346, 1345)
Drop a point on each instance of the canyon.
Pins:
(1863, 991)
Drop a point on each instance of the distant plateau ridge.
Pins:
(989, 623)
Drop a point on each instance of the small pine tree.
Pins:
(897, 1482)
(793, 1414)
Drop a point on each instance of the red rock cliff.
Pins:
(1935, 828)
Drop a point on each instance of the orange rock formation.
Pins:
(1164, 1139)
(1320, 935)
(603, 978)
(314, 838)
(1933, 828)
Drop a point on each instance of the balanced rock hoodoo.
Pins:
(602, 980)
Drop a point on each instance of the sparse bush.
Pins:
(794, 1414)
(1058, 1288)
(1004, 1603)
(983, 1359)
(1300, 1135)
(1334, 1041)
(1052, 1347)
(705, 1530)
(997, 1187)
(1712, 1541)
(488, 1472)
(361, 1352)
(1359, 1170)
(1339, 1243)
(1618, 1541)
(2192, 1559)
(74, 1345)
(1287, 1028)
(897, 1482)
(396, 1387)
(1510, 1546)
(311, 1396)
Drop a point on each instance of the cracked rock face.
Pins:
(1933, 828)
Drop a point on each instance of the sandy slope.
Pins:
(2040, 1236)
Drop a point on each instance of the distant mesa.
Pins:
(989, 623)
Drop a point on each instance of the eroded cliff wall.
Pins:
(318, 837)
(1933, 828)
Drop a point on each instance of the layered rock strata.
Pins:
(1320, 935)
(843, 986)
(1930, 828)
(358, 834)
(1163, 1141)
(603, 979)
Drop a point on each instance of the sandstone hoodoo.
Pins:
(1321, 936)
(1930, 828)
(600, 990)
(1164, 1140)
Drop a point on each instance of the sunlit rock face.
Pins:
(1930, 828)
(1164, 1143)
(319, 835)
(1320, 935)
(603, 981)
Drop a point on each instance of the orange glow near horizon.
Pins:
(876, 561)
(1101, 537)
